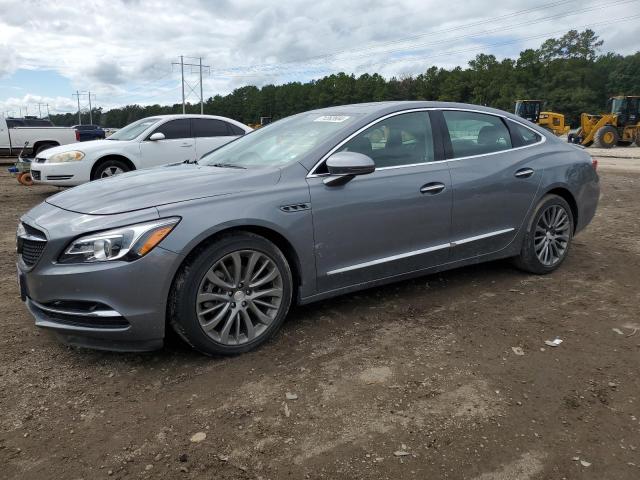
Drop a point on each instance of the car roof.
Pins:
(393, 106)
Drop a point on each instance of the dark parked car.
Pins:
(89, 132)
(319, 204)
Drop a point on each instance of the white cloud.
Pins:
(122, 49)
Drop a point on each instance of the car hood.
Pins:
(160, 186)
(86, 147)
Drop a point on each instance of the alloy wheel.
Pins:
(111, 171)
(239, 297)
(552, 234)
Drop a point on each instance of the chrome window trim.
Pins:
(543, 139)
(413, 253)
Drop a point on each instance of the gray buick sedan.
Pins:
(315, 205)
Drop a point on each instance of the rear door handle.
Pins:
(524, 173)
(432, 188)
(186, 145)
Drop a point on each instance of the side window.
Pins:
(474, 133)
(403, 139)
(209, 127)
(174, 129)
(523, 135)
(235, 130)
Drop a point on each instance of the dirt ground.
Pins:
(413, 380)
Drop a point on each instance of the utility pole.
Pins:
(185, 83)
(201, 101)
(182, 82)
(40, 112)
(77, 95)
(90, 111)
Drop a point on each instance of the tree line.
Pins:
(567, 73)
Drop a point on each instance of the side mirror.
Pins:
(157, 136)
(343, 166)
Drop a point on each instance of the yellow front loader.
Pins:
(621, 126)
(530, 109)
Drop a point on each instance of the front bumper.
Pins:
(112, 305)
(61, 174)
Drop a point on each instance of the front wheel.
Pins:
(548, 237)
(231, 296)
(606, 137)
(109, 168)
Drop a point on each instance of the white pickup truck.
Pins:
(13, 138)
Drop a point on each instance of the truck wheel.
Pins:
(606, 137)
(43, 147)
(109, 168)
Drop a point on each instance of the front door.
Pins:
(178, 144)
(494, 180)
(393, 221)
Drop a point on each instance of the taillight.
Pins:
(594, 163)
(77, 135)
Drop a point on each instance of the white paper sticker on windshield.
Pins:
(332, 118)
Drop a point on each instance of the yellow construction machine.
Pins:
(530, 109)
(620, 126)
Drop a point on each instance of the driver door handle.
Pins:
(432, 188)
(524, 173)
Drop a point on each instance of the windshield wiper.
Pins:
(227, 165)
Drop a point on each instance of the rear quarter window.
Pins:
(522, 135)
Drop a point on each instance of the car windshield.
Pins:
(278, 143)
(134, 129)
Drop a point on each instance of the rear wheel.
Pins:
(548, 237)
(606, 137)
(109, 168)
(232, 296)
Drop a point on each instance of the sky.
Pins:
(122, 50)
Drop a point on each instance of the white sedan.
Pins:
(149, 142)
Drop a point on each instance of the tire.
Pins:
(25, 179)
(606, 137)
(109, 168)
(190, 313)
(529, 259)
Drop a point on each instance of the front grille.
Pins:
(31, 246)
(35, 174)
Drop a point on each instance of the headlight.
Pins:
(64, 157)
(126, 243)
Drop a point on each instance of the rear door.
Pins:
(211, 133)
(177, 146)
(393, 221)
(494, 179)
